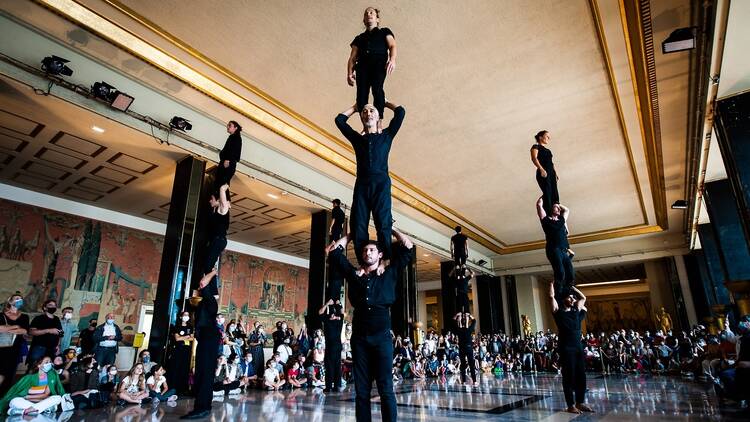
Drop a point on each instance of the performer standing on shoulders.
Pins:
(372, 187)
(568, 317)
(372, 295)
(459, 248)
(556, 248)
(229, 155)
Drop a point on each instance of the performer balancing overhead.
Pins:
(569, 312)
(336, 230)
(229, 155)
(372, 294)
(373, 56)
(556, 248)
(462, 277)
(546, 176)
(459, 248)
(372, 188)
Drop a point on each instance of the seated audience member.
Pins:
(109, 379)
(271, 379)
(247, 374)
(158, 389)
(132, 388)
(225, 378)
(84, 385)
(38, 392)
(295, 376)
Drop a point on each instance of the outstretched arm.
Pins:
(553, 301)
(540, 208)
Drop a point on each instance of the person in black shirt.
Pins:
(556, 248)
(546, 176)
(462, 278)
(372, 188)
(86, 339)
(465, 324)
(372, 293)
(373, 56)
(568, 318)
(336, 230)
(229, 155)
(332, 324)
(46, 331)
(459, 248)
(218, 224)
(209, 338)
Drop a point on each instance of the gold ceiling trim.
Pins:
(118, 35)
(257, 91)
(643, 77)
(602, 37)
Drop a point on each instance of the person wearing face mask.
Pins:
(255, 342)
(106, 339)
(181, 350)
(46, 331)
(13, 326)
(38, 392)
(144, 357)
(247, 374)
(332, 324)
(68, 327)
(86, 338)
(280, 336)
(109, 379)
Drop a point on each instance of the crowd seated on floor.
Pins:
(60, 379)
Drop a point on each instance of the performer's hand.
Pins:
(360, 272)
(390, 66)
(543, 173)
(226, 163)
(350, 78)
(381, 268)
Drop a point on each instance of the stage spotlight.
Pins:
(680, 204)
(54, 65)
(680, 39)
(180, 123)
(106, 92)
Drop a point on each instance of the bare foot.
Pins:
(573, 409)
(584, 408)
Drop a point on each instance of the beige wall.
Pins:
(533, 301)
(659, 288)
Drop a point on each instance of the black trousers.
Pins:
(562, 267)
(206, 353)
(462, 301)
(215, 247)
(226, 388)
(337, 232)
(223, 175)
(372, 359)
(548, 185)
(371, 195)
(459, 260)
(573, 369)
(332, 363)
(467, 354)
(371, 73)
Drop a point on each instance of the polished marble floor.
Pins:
(512, 397)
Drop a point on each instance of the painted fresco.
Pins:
(616, 313)
(97, 268)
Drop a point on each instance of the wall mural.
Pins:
(609, 314)
(97, 268)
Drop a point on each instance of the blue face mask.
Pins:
(18, 303)
(110, 321)
(146, 359)
(47, 366)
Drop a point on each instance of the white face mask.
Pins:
(67, 316)
(220, 320)
(185, 318)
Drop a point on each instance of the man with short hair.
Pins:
(459, 248)
(68, 326)
(556, 247)
(372, 293)
(86, 338)
(372, 187)
(568, 316)
(45, 330)
(106, 339)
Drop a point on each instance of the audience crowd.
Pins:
(61, 376)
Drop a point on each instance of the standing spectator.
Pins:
(46, 331)
(13, 326)
(106, 338)
(181, 351)
(68, 327)
(256, 341)
(86, 338)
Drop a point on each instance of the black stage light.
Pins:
(680, 204)
(108, 93)
(481, 262)
(180, 123)
(54, 65)
(680, 39)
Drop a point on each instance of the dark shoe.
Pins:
(196, 415)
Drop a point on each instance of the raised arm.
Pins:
(581, 302)
(540, 208)
(350, 76)
(344, 127)
(565, 212)
(398, 117)
(553, 301)
(323, 310)
(223, 200)
(402, 255)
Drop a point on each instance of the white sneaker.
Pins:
(235, 392)
(219, 393)
(172, 398)
(67, 403)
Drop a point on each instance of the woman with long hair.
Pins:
(14, 324)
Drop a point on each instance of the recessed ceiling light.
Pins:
(271, 195)
(97, 129)
(425, 254)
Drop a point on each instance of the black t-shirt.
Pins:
(459, 244)
(181, 330)
(569, 328)
(544, 156)
(462, 281)
(372, 43)
(218, 224)
(87, 340)
(338, 218)
(332, 331)
(42, 322)
(22, 321)
(554, 232)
